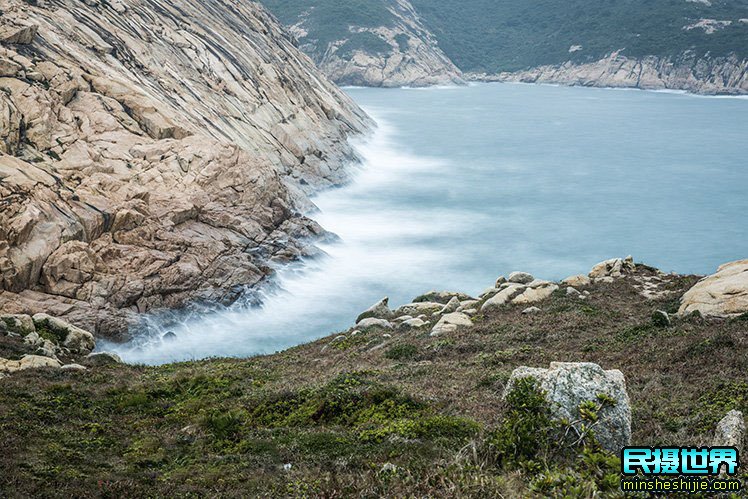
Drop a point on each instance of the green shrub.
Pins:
(527, 425)
(402, 352)
(224, 425)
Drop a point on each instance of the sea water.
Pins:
(461, 185)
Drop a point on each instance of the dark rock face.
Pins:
(154, 154)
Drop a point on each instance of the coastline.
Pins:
(707, 77)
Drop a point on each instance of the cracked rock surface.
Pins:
(155, 154)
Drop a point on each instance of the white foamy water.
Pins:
(461, 185)
(381, 250)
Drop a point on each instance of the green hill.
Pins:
(327, 21)
(509, 35)
(696, 45)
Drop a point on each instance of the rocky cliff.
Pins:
(155, 153)
(389, 48)
(701, 75)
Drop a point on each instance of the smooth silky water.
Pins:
(461, 185)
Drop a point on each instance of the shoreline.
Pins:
(478, 81)
(675, 91)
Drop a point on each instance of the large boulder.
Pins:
(452, 306)
(380, 310)
(71, 337)
(27, 362)
(577, 281)
(449, 323)
(730, 431)
(724, 294)
(535, 294)
(568, 384)
(615, 267)
(504, 296)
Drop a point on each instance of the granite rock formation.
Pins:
(155, 154)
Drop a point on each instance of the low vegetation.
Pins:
(328, 21)
(511, 35)
(376, 414)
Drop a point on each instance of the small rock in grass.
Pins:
(531, 311)
(372, 323)
(102, 359)
(73, 367)
(661, 319)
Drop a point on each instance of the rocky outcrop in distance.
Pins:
(442, 313)
(411, 56)
(700, 75)
(445, 312)
(155, 154)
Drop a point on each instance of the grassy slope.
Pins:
(339, 411)
(509, 35)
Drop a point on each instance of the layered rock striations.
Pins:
(155, 153)
(701, 75)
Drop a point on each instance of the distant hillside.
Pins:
(511, 35)
(371, 43)
(697, 45)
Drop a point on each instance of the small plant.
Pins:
(402, 352)
(224, 425)
(525, 430)
(742, 318)
(660, 319)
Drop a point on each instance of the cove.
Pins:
(461, 185)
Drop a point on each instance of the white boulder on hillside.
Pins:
(615, 267)
(569, 384)
(450, 323)
(380, 310)
(27, 362)
(577, 281)
(730, 431)
(724, 294)
(533, 291)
